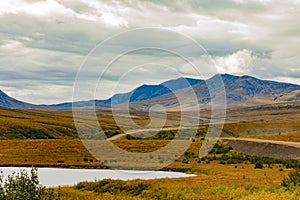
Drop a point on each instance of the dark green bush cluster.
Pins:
(164, 135)
(114, 187)
(187, 156)
(259, 165)
(269, 162)
(23, 133)
(168, 135)
(201, 132)
(222, 153)
(111, 133)
(293, 179)
(24, 186)
(220, 149)
(161, 135)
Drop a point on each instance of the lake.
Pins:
(54, 177)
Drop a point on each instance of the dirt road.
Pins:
(255, 147)
(145, 130)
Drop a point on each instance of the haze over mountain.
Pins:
(240, 90)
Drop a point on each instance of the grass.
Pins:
(216, 179)
(213, 180)
(46, 153)
(32, 124)
(262, 128)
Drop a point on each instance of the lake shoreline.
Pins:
(54, 177)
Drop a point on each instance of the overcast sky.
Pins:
(44, 43)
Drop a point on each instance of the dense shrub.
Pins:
(114, 187)
(258, 165)
(220, 149)
(233, 157)
(293, 179)
(23, 186)
(112, 132)
(155, 194)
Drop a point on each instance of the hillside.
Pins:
(9, 102)
(275, 119)
(23, 124)
(240, 91)
(41, 124)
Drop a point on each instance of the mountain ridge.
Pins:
(244, 89)
(9, 102)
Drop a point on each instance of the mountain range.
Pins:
(240, 90)
(9, 102)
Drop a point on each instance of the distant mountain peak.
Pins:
(2, 93)
(9, 102)
(245, 89)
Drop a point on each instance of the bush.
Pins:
(155, 194)
(23, 186)
(137, 188)
(293, 179)
(258, 165)
(114, 187)
(185, 161)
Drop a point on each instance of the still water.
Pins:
(54, 177)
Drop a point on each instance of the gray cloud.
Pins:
(43, 43)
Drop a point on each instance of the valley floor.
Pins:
(218, 177)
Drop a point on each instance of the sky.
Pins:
(44, 44)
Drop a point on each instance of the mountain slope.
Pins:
(146, 92)
(9, 102)
(240, 90)
(142, 93)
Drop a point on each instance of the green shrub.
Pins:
(155, 194)
(23, 186)
(293, 179)
(258, 165)
(114, 187)
(137, 188)
(185, 160)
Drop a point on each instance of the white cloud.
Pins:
(236, 63)
(40, 8)
(10, 45)
(104, 13)
(114, 20)
(45, 41)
